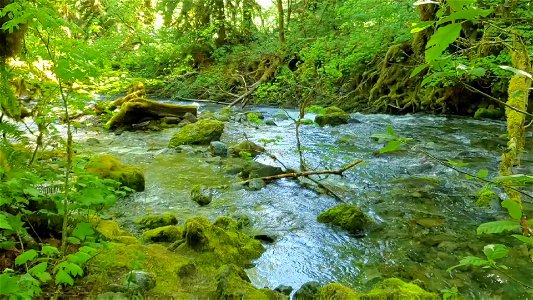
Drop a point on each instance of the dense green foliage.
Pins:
(446, 56)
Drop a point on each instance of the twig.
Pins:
(339, 172)
(473, 89)
(448, 165)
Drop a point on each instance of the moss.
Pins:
(109, 167)
(346, 216)
(246, 146)
(194, 232)
(485, 196)
(165, 234)
(111, 231)
(335, 291)
(489, 113)
(201, 195)
(200, 133)
(394, 288)
(306, 122)
(233, 283)
(332, 116)
(154, 221)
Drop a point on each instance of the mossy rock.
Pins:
(111, 231)
(253, 169)
(109, 167)
(394, 288)
(306, 122)
(337, 291)
(165, 234)
(195, 231)
(202, 132)
(488, 113)
(244, 147)
(332, 116)
(233, 283)
(201, 194)
(155, 221)
(346, 216)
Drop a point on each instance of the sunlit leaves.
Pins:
(498, 227)
(514, 208)
(441, 39)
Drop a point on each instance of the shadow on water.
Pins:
(424, 213)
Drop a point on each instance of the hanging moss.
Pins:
(518, 92)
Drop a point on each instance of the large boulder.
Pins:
(107, 166)
(346, 216)
(332, 116)
(202, 132)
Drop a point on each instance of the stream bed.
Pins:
(424, 214)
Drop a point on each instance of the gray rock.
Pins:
(308, 291)
(284, 289)
(281, 115)
(201, 195)
(218, 149)
(190, 117)
(250, 148)
(256, 184)
(92, 141)
(140, 281)
(253, 169)
(270, 122)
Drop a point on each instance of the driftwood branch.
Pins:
(339, 172)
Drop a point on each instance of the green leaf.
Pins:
(418, 69)
(515, 180)
(40, 272)
(49, 251)
(495, 251)
(4, 222)
(421, 26)
(483, 173)
(474, 261)
(514, 208)
(8, 285)
(7, 244)
(524, 239)
(31, 191)
(79, 258)
(83, 230)
(391, 147)
(516, 71)
(478, 72)
(441, 39)
(26, 257)
(469, 14)
(497, 227)
(62, 277)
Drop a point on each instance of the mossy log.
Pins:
(139, 110)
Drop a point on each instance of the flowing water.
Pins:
(424, 213)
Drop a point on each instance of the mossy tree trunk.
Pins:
(281, 22)
(518, 92)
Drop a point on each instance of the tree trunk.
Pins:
(281, 22)
(221, 20)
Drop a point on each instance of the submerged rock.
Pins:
(332, 116)
(201, 194)
(109, 167)
(246, 148)
(218, 149)
(154, 221)
(346, 216)
(256, 184)
(200, 133)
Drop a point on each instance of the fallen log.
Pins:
(139, 110)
